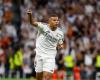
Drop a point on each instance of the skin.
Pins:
(53, 23)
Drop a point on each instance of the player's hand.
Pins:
(61, 46)
(29, 11)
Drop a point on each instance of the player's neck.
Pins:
(52, 28)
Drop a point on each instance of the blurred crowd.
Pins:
(79, 20)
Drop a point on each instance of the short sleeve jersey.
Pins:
(47, 40)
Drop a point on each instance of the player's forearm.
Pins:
(30, 18)
(32, 22)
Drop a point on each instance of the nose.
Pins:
(57, 22)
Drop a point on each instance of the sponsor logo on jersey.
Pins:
(49, 37)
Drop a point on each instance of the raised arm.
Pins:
(30, 18)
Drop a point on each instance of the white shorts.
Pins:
(44, 64)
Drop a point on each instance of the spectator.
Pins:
(80, 22)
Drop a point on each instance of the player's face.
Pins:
(53, 21)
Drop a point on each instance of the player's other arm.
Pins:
(31, 20)
(38, 25)
(60, 46)
(61, 42)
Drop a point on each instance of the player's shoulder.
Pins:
(42, 23)
(60, 31)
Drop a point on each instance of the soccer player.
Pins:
(49, 38)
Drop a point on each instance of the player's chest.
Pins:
(51, 35)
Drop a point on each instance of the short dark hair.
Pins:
(53, 15)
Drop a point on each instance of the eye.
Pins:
(54, 19)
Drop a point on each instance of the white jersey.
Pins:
(47, 40)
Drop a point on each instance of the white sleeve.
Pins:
(40, 26)
(61, 39)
